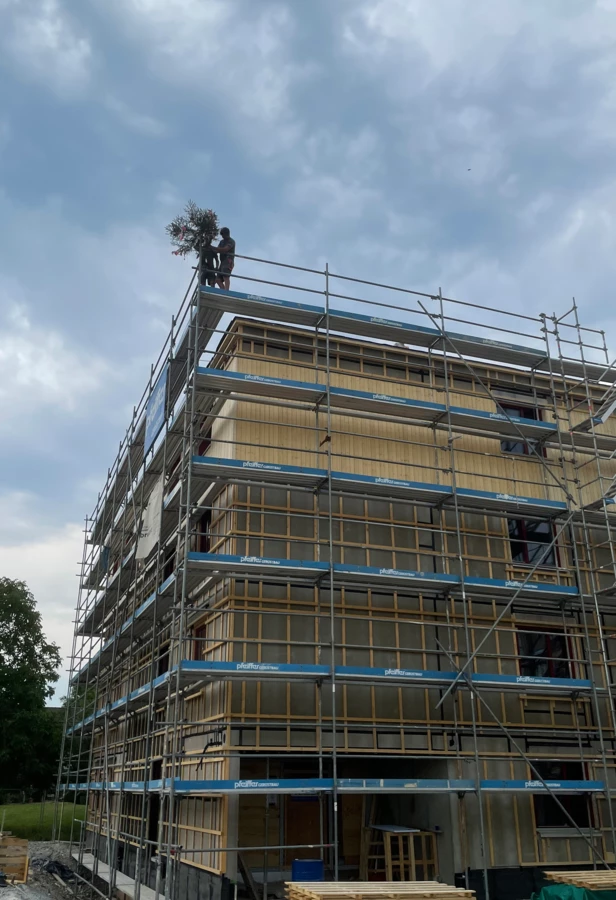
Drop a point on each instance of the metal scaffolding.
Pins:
(374, 416)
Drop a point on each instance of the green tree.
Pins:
(30, 734)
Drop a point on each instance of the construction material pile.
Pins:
(13, 859)
(591, 879)
(373, 890)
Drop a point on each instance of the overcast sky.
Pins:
(466, 145)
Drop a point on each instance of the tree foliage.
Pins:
(30, 734)
(193, 229)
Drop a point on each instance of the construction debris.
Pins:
(53, 867)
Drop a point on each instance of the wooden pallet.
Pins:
(373, 890)
(593, 879)
(14, 859)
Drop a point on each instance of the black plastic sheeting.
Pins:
(54, 867)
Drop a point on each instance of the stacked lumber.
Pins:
(374, 890)
(593, 879)
(13, 858)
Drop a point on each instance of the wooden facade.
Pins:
(284, 729)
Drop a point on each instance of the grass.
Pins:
(32, 821)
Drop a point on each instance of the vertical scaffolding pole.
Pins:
(332, 595)
(188, 442)
(591, 572)
(467, 631)
(70, 704)
(145, 798)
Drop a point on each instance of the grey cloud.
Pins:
(366, 168)
(42, 42)
(232, 57)
(140, 122)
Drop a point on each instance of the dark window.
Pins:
(531, 542)
(522, 448)
(200, 642)
(543, 655)
(205, 443)
(548, 814)
(251, 329)
(276, 351)
(204, 532)
(349, 362)
(162, 665)
(169, 564)
(301, 356)
(153, 818)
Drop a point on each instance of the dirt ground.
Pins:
(41, 884)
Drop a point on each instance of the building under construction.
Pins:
(349, 594)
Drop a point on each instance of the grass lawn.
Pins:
(32, 821)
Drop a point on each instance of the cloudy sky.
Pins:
(464, 145)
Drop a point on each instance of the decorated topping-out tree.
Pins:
(193, 230)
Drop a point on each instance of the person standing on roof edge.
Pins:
(226, 251)
(208, 274)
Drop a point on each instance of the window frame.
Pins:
(525, 412)
(525, 659)
(524, 541)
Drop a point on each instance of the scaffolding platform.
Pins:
(343, 786)
(379, 404)
(212, 470)
(194, 673)
(221, 565)
(123, 883)
(382, 328)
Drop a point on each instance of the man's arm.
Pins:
(224, 247)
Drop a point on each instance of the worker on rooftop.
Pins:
(226, 251)
(209, 266)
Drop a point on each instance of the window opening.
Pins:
(154, 806)
(200, 642)
(544, 655)
(163, 661)
(548, 813)
(531, 542)
(520, 448)
(204, 532)
(169, 564)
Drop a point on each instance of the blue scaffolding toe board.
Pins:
(373, 403)
(385, 329)
(199, 672)
(207, 470)
(343, 785)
